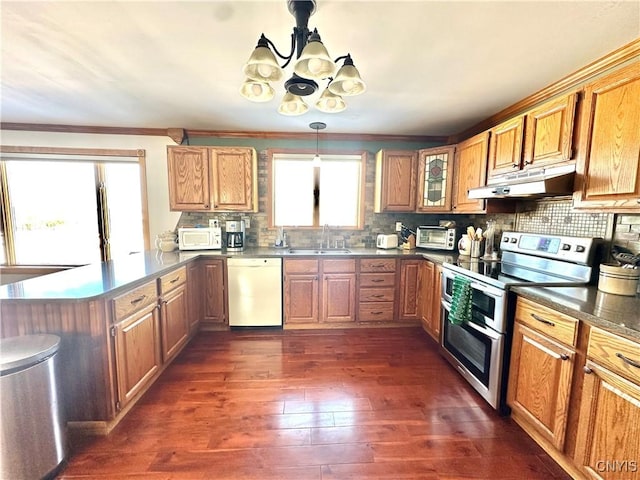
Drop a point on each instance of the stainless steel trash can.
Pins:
(32, 432)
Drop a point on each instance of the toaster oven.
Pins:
(436, 238)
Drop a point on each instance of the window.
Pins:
(71, 208)
(304, 195)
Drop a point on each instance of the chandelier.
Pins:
(313, 64)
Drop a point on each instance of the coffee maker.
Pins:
(235, 235)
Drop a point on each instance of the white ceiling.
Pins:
(431, 67)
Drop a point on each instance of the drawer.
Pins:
(377, 294)
(134, 300)
(343, 265)
(377, 279)
(378, 265)
(376, 311)
(171, 280)
(545, 320)
(618, 354)
(300, 266)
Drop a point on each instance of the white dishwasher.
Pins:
(255, 292)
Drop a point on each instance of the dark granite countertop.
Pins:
(616, 313)
(108, 278)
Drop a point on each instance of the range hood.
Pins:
(540, 183)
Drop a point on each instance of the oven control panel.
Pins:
(572, 249)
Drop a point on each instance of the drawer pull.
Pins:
(377, 280)
(138, 300)
(627, 360)
(378, 295)
(587, 370)
(175, 280)
(377, 313)
(542, 320)
(377, 265)
(564, 356)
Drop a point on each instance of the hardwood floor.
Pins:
(332, 404)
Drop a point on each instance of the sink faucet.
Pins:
(322, 236)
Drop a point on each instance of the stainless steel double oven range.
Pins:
(480, 348)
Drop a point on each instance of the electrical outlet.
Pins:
(398, 226)
(247, 222)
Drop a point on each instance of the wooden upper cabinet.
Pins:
(608, 163)
(470, 169)
(395, 187)
(435, 178)
(235, 179)
(213, 179)
(549, 133)
(505, 147)
(189, 179)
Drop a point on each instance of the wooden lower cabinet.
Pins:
(301, 291)
(408, 308)
(137, 352)
(377, 290)
(194, 307)
(339, 290)
(214, 294)
(540, 382)
(429, 298)
(575, 389)
(175, 322)
(608, 437)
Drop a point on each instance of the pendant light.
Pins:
(317, 126)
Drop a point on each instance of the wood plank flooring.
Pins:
(332, 404)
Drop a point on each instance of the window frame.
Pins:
(68, 154)
(310, 153)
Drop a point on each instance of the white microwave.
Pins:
(190, 238)
(436, 238)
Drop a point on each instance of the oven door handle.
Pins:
(484, 330)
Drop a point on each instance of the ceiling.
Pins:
(431, 67)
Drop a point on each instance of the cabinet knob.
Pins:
(527, 162)
(587, 370)
(514, 165)
(564, 356)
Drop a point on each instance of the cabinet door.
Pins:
(137, 352)
(610, 143)
(608, 439)
(540, 382)
(175, 322)
(234, 179)
(395, 187)
(505, 147)
(470, 171)
(215, 293)
(189, 180)
(339, 297)
(409, 273)
(194, 286)
(427, 293)
(549, 132)
(301, 298)
(435, 178)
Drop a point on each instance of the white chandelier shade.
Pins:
(292, 105)
(256, 91)
(330, 102)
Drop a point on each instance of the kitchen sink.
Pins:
(318, 251)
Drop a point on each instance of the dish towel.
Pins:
(461, 300)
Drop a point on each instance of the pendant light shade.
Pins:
(317, 126)
(330, 102)
(256, 91)
(292, 105)
(314, 61)
(347, 81)
(262, 64)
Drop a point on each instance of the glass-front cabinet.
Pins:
(435, 178)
